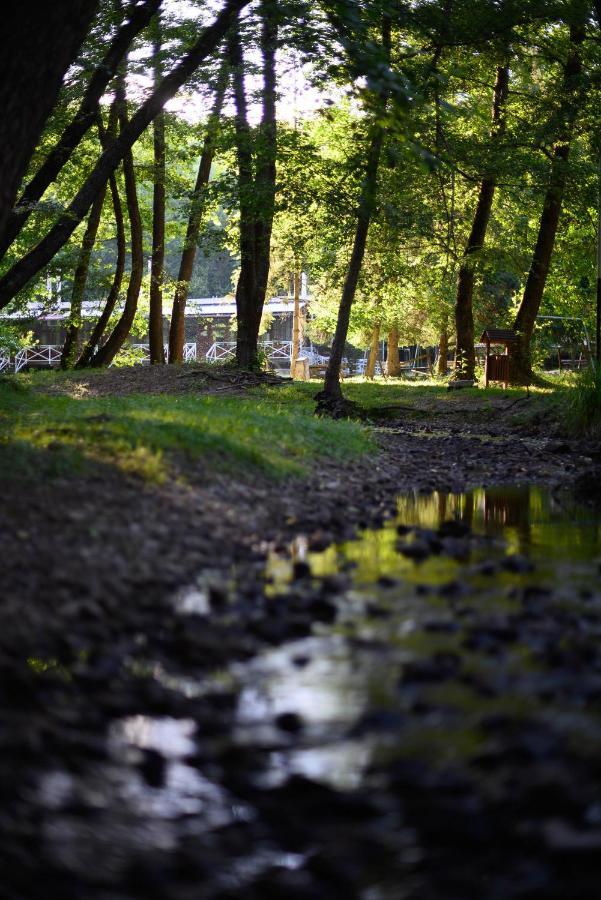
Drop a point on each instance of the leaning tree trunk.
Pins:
(332, 393)
(38, 43)
(370, 371)
(465, 362)
(393, 366)
(34, 261)
(157, 261)
(106, 354)
(80, 280)
(59, 155)
(543, 251)
(111, 300)
(177, 330)
(100, 327)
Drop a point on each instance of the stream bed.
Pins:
(422, 720)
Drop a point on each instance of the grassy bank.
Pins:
(273, 432)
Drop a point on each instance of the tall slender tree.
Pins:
(464, 316)
(330, 400)
(106, 354)
(157, 262)
(256, 183)
(571, 100)
(197, 207)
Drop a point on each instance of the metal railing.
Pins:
(42, 355)
(274, 350)
(50, 355)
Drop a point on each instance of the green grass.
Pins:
(273, 432)
(584, 402)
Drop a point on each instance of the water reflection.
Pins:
(438, 621)
(529, 518)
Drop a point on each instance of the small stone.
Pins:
(290, 722)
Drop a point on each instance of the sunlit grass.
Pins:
(144, 434)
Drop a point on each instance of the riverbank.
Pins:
(139, 601)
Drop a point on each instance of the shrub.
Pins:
(584, 404)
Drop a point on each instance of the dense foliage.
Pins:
(475, 218)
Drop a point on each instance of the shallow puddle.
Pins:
(431, 635)
(466, 637)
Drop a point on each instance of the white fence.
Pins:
(42, 355)
(274, 350)
(48, 355)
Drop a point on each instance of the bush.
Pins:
(584, 411)
(13, 339)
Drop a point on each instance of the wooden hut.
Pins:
(497, 366)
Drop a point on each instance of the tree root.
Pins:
(336, 407)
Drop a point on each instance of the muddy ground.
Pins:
(122, 770)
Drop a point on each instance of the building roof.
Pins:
(499, 336)
(195, 306)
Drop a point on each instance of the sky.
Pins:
(298, 98)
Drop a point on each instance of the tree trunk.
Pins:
(296, 323)
(106, 354)
(246, 346)
(370, 371)
(197, 206)
(29, 266)
(157, 263)
(256, 195)
(103, 320)
(465, 362)
(543, 251)
(443, 352)
(87, 245)
(331, 391)
(393, 367)
(80, 279)
(82, 121)
(38, 43)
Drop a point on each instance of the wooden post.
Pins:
(296, 323)
(486, 365)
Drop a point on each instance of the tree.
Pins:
(27, 267)
(549, 221)
(155, 316)
(83, 119)
(197, 208)
(464, 319)
(31, 77)
(256, 184)
(330, 399)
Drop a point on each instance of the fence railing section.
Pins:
(274, 350)
(50, 355)
(42, 355)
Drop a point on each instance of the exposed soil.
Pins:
(186, 379)
(91, 575)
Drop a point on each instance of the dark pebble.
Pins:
(290, 722)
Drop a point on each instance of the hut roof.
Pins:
(499, 336)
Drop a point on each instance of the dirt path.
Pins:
(125, 771)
